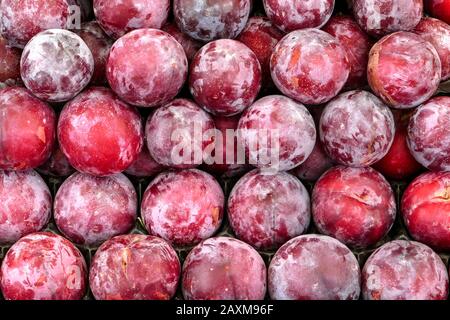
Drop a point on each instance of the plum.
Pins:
(57, 166)
(190, 45)
(278, 134)
(43, 266)
(9, 64)
(438, 9)
(225, 77)
(144, 166)
(183, 207)
(357, 129)
(147, 67)
(27, 130)
(314, 267)
(56, 65)
(118, 17)
(428, 134)
(293, 15)
(381, 17)
(135, 267)
(89, 210)
(354, 205)
(404, 70)
(315, 165)
(404, 270)
(100, 134)
(224, 269)
(425, 209)
(310, 66)
(25, 204)
(266, 211)
(208, 20)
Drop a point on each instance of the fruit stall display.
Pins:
(94, 203)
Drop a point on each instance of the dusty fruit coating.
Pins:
(43, 266)
(179, 133)
(57, 166)
(100, 134)
(145, 165)
(261, 36)
(357, 129)
(354, 205)
(224, 269)
(27, 130)
(425, 209)
(56, 65)
(438, 34)
(380, 17)
(22, 20)
(404, 270)
(208, 20)
(147, 67)
(428, 135)
(404, 70)
(357, 45)
(183, 207)
(315, 165)
(314, 267)
(267, 210)
(190, 45)
(118, 17)
(9, 64)
(277, 133)
(225, 77)
(310, 66)
(25, 204)
(399, 163)
(439, 9)
(89, 210)
(291, 15)
(135, 267)
(100, 45)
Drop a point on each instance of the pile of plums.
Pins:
(303, 118)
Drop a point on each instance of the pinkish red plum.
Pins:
(380, 17)
(425, 209)
(56, 65)
(268, 210)
(261, 36)
(25, 204)
(277, 133)
(100, 134)
(178, 134)
(100, 45)
(22, 20)
(310, 66)
(9, 64)
(208, 20)
(357, 45)
(118, 17)
(147, 67)
(27, 130)
(357, 129)
(145, 165)
(43, 266)
(89, 210)
(224, 269)
(190, 45)
(183, 207)
(404, 70)
(428, 135)
(135, 267)
(354, 205)
(225, 77)
(315, 165)
(314, 267)
(439, 9)
(293, 15)
(404, 270)
(437, 33)
(57, 166)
